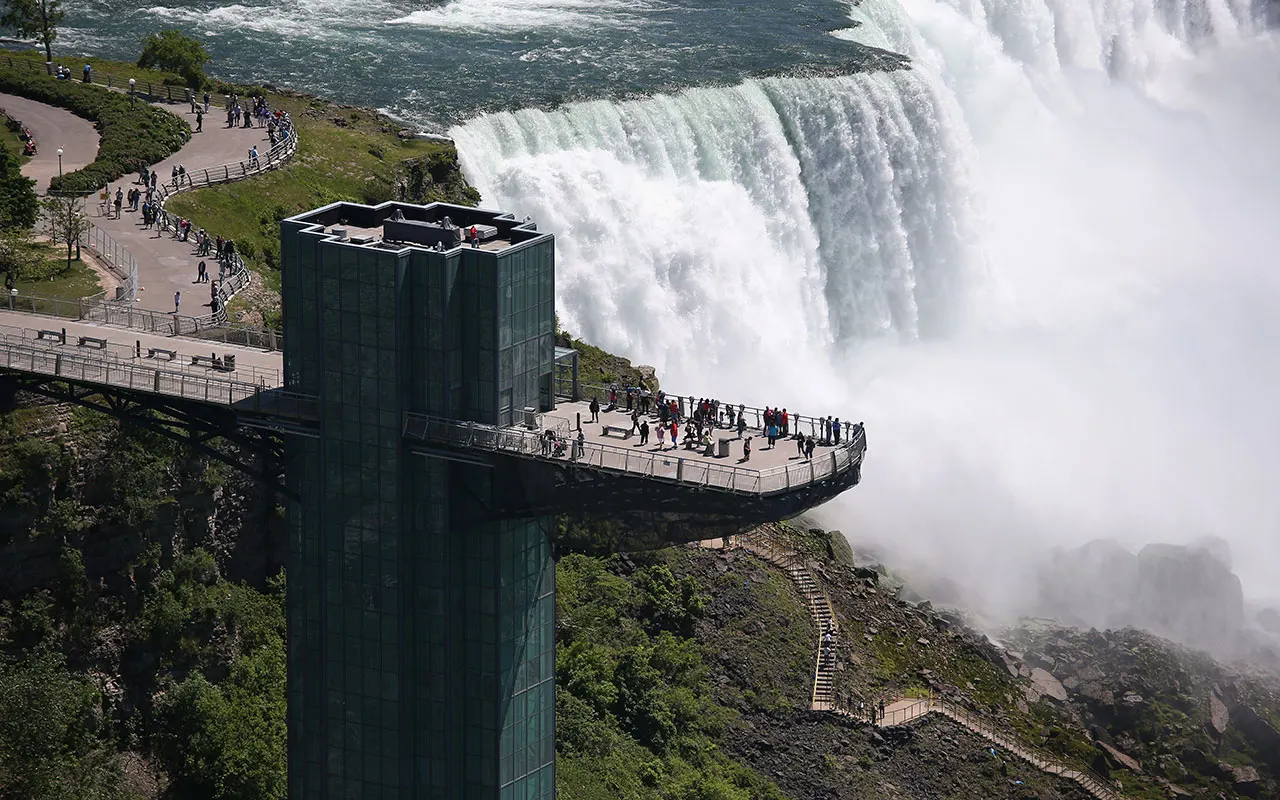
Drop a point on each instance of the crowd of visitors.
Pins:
(663, 416)
(146, 196)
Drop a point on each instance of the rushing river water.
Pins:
(1038, 264)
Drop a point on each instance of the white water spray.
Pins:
(1037, 266)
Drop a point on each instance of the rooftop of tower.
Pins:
(436, 227)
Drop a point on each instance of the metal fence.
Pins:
(119, 260)
(665, 466)
(126, 352)
(121, 315)
(107, 371)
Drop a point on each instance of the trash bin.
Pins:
(722, 450)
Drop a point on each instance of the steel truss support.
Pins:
(188, 423)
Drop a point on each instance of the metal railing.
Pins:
(125, 352)
(119, 260)
(668, 466)
(239, 395)
(797, 423)
(1052, 763)
(121, 315)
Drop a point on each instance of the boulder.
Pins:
(1047, 685)
(1219, 716)
(1246, 780)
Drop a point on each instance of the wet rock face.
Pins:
(1188, 594)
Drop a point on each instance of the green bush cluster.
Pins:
(131, 134)
(634, 713)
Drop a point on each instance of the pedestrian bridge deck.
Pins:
(119, 359)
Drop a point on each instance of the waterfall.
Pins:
(1037, 264)
(777, 216)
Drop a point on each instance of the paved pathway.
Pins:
(165, 264)
(253, 365)
(53, 128)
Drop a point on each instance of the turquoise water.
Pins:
(438, 63)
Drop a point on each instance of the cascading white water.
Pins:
(1037, 266)
(774, 218)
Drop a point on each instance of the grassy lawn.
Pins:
(54, 280)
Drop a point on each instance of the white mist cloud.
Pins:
(1125, 383)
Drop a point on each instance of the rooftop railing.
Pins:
(668, 465)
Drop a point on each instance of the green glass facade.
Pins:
(421, 630)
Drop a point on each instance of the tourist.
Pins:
(580, 445)
(835, 431)
(771, 431)
(644, 432)
(177, 301)
(808, 447)
(119, 201)
(746, 449)
(662, 437)
(675, 434)
(199, 121)
(742, 425)
(206, 103)
(594, 408)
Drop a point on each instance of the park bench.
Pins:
(93, 341)
(153, 352)
(226, 364)
(617, 430)
(59, 335)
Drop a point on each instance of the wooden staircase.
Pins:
(900, 711)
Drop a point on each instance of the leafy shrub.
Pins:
(131, 134)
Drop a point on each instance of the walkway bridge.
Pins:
(237, 392)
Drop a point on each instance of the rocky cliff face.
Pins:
(1185, 592)
(1161, 710)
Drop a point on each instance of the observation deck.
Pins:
(607, 476)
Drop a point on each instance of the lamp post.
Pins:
(131, 95)
(59, 162)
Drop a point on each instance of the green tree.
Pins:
(227, 742)
(174, 51)
(65, 222)
(50, 745)
(17, 193)
(37, 19)
(18, 257)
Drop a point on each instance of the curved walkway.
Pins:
(167, 265)
(53, 128)
(903, 710)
